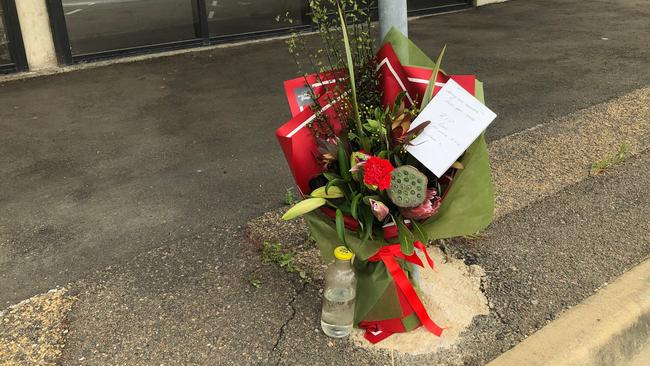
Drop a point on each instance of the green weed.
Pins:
(274, 253)
(601, 166)
(289, 197)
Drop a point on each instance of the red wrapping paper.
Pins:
(295, 137)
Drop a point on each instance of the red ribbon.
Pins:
(379, 330)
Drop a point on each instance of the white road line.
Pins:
(84, 3)
(73, 12)
(211, 14)
(215, 3)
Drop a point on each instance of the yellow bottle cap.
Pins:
(343, 253)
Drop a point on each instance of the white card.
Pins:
(457, 120)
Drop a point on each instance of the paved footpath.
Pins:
(131, 184)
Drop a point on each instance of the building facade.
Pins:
(37, 34)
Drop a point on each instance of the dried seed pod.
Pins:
(408, 186)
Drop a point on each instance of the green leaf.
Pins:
(340, 225)
(458, 165)
(353, 87)
(367, 199)
(405, 237)
(354, 205)
(428, 94)
(373, 124)
(369, 218)
(419, 232)
(334, 182)
(303, 207)
(327, 192)
(344, 163)
(379, 116)
(331, 176)
(398, 161)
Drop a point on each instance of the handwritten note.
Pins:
(457, 120)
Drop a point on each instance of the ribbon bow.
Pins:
(379, 330)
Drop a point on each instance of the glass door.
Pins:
(427, 6)
(12, 53)
(90, 29)
(96, 26)
(5, 56)
(236, 17)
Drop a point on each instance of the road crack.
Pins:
(289, 319)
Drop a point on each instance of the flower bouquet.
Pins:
(354, 121)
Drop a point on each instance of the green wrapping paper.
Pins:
(466, 209)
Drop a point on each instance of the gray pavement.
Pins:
(153, 167)
(187, 302)
(101, 164)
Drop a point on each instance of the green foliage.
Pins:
(289, 197)
(601, 166)
(327, 192)
(344, 163)
(428, 94)
(304, 206)
(256, 283)
(405, 236)
(355, 205)
(376, 127)
(275, 254)
(420, 233)
(340, 225)
(353, 86)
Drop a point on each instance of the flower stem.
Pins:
(348, 53)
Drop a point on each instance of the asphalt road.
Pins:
(122, 178)
(100, 164)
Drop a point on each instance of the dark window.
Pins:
(5, 55)
(90, 29)
(415, 5)
(104, 25)
(12, 53)
(231, 17)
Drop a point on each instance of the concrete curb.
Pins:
(609, 328)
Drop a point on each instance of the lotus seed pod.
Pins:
(408, 186)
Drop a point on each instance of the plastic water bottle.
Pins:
(337, 317)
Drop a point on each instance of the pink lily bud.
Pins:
(379, 209)
(357, 167)
(358, 160)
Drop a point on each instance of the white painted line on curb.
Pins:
(73, 12)
(211, 14)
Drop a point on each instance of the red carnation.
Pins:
(376, 172)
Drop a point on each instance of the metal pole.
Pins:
(392, 13)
